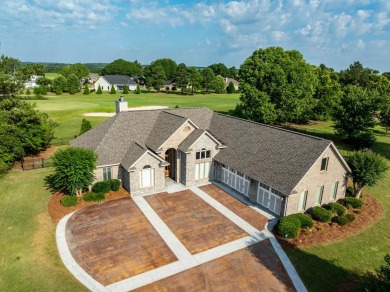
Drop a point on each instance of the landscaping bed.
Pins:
(57, 210)
(329, 232)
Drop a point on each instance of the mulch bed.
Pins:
(323, 233)
(57, 210)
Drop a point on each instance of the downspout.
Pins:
(285, 206)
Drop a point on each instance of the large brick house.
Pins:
(283, 171)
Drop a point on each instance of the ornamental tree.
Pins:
(86, 89)
(85, 126)
(73, 170)
(367, 169)
(125, 89)
(99, 90)
(113, 91)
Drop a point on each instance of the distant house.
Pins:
(168, 85)
(118, 81)
(32, 82)
(283, 171)
(235, 82)
(140, 80)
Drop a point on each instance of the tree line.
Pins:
(279, 87)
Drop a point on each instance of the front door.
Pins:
(170, 156)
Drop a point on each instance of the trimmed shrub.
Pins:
(320, 214)
(305, 221)
(288, 227)
(94, 197)
(350, 217)
(102, 187)
(69, 201)
(115, 185)
(343, 219)
(350, 192)
(336, 208)
(353, 202)
(99, 90)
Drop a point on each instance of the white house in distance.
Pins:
(32, 82)
(118, 81)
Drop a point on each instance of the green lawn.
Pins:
(29, 258)
(324, 267)
(51, 75)
(68, 110)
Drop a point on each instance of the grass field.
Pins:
(29, 258)
(324, 267)
(68, 110)
(51, 75)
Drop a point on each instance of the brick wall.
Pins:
(316, 178)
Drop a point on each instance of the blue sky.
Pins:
(200, 33)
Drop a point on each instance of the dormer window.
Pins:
(203, 154)
(324, 164)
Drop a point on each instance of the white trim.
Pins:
(340, 157)
(108, 165)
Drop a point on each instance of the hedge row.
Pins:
(289, 226)
(343, 219)
(336, 208)
(106, 186)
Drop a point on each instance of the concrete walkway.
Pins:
(185, 259)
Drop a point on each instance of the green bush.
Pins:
(94, 197)
(115, 184)
(336, 208)
(102, 187)
(69, 201)
(288, 227)
(320, 214)
(305, 221)
(350, 217)
(343, 219)
(353, 202)
(350, 192)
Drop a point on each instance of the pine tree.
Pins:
(99, 90)
(125, 89)
(86, 89)
(28, 92)
(113, 91)
(85, 126)
(138, 90)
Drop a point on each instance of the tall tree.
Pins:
(73, 84)
(9, 65)
(284, 79)
(33, 69)
(356, 74)
(60, 83)
(207, 78)
(219, 84)
(233, 73)
(195, 78)
(168, 65)
(384, 116)
(155, 77)
(354, 115)
(219, 69)
(182, 77)
(122, 67)
(367, 169)
(327, 93)
(80, 70)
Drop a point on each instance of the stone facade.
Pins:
(177, 138)
(316, 178)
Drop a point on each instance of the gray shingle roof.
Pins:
(274, 156)
(119, 79)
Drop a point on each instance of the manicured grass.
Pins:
(68, 110)
(51, 75)
(325, 267)
(29, 259)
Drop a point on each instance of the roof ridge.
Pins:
(274, 127)
(163, 111)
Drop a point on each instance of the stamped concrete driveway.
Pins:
(201, 239)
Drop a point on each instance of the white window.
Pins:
(333, 190)
(146, 177)
(202, 170)
(302, 201)
(106, 173)
(320, 192)
(324, 163)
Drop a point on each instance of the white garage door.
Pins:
(235, 179)
(268, 199)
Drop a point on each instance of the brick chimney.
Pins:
(120, 105)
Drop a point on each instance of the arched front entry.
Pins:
(170, 170)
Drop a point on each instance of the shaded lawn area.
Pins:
(68, 109)
(29, 259)
(325, 267)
